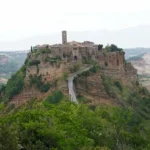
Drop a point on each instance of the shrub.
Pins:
(107, 83)
(65, 76)
(39, 84)
(85, 73)
(106, 64)
(34, 62)
(118, 85)
(46, 50)
(15, 84)
(137, 83)
(82, 99)
(74, 68)
(52, 60)
(55, 97)
(95, 68)
(112, 48)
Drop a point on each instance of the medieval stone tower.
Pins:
(64, 37)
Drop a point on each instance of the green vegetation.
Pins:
(82, 99)
(55, 98)
(53, 60)
(38, 83)
(46, 50)
(74, 68)
(87, 73)
(100, 47)
(137, 99)
(58, 124)
(87, 60)
(33, 62)
(67, 126)
(112, 48)
(14, 85)
(41, 51)
(65, 76)
(106, 64)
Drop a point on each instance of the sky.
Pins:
(27, 18)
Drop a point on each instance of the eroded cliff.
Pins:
(46, 70)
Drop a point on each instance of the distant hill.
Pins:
(10, 62)
(132, 52)
(141, 63)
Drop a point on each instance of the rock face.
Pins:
(92, 88)
(51, 64)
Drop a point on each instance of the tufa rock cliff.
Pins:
(46, 70)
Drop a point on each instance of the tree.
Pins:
(8, 138)
(100, 47)
(31, 49)
(114, 48)
(47, 46)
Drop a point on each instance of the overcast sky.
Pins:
(27, 18)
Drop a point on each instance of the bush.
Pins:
(55, 97)
(112, 48)
(53, 60)
(15, 84)
(137, 83)
(118, 85)
(65, 76)
(74, 68)
(39, 84)
(95, 68)
(82, 99)
(107, 83)
(46, 50)
(85, 73)
(106, 64)
(34, 62)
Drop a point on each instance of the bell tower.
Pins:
(64, 37)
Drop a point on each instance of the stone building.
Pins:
(77, 51)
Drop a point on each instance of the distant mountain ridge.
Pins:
(133, 52)
(141, 63)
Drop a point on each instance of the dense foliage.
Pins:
(112, 48)
(67, 126)
(14, 85)
(138, 98)
(33, 62)
(55, 97)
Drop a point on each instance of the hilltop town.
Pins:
(46, 65)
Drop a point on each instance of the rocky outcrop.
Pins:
(92, 89)
(52, 66)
